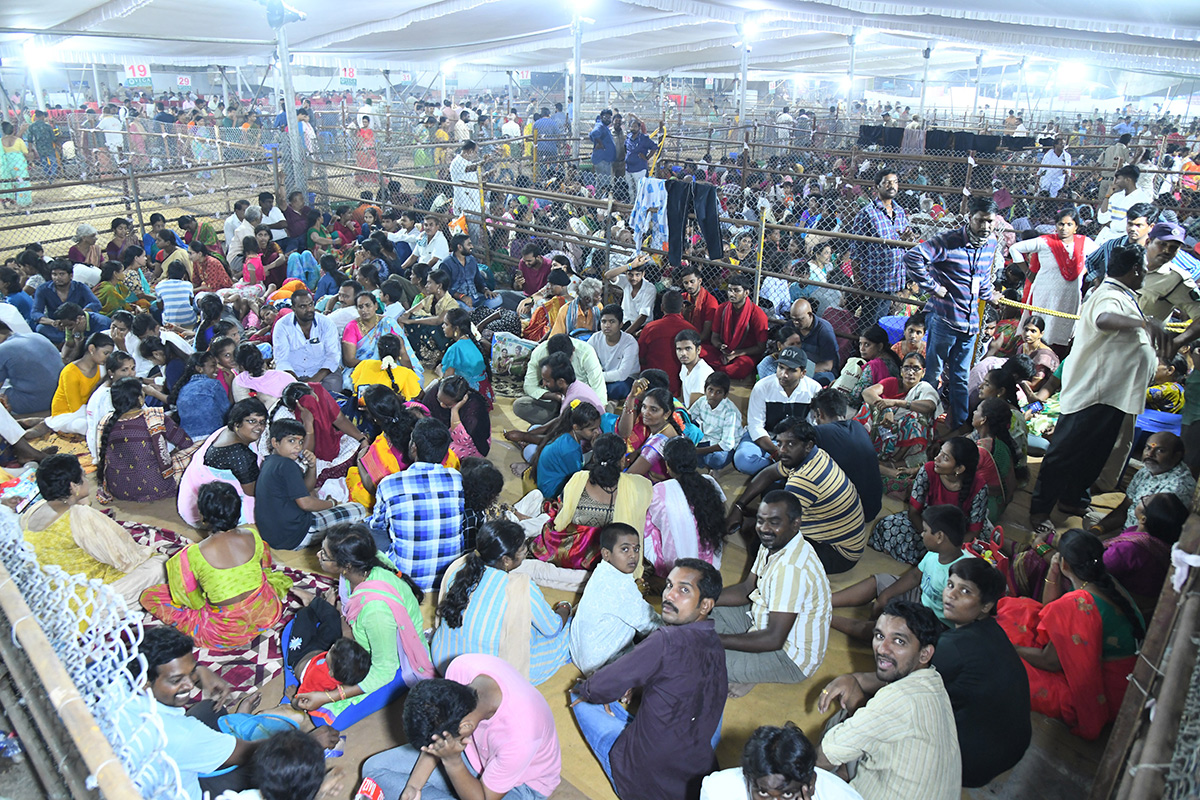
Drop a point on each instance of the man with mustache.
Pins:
(775, 624)
(667, 748)
(1163, 472)
(904, 741)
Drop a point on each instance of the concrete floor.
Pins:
(1057, 765)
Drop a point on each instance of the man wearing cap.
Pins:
(774, 398)
(1169, 286)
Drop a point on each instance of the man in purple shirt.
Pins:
(880, 267)
(668, 747)
(559, 381)
(955, 267)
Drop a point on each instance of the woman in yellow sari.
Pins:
(593, 498)
(64, 531)
(388, 453)
(222, 591)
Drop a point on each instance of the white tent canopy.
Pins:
(623, 37)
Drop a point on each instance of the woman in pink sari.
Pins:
(686, 514)
(1079, 648)
(222, 591)
(364, 152)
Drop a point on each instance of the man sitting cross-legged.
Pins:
(666, 749)
(775, 624)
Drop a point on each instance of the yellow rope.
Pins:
(661, 145)
(1004, 301)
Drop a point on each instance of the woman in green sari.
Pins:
(14, 168)
(204, 233)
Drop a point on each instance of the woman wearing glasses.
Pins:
(899, 414)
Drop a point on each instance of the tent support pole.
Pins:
(508, 86)
(96, 81)
(742, 82)
(850, 89)
(289, 106)
(577, 78)
(37, 90)
(925, 78)
(978, 83)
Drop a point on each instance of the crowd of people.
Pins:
(296, 377)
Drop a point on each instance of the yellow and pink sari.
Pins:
(195, 598)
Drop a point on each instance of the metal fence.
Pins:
(66, 643)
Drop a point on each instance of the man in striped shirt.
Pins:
(955, 268)
(833, 516)
(775, 624)
(879, 267)
(905, 739)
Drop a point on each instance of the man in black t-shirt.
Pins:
(850, 446)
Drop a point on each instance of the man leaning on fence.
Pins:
(879, 267)
(956, 268)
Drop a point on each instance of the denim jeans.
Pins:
(391, 768)
(949, 351)
(620, 389)
(600, 729)
(49, 163)
(717, 460)
(749, 458)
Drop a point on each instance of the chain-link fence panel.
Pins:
(95, 637)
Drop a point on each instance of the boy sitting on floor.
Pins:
(942, 531)
(720, 421)
(611, 612)
(288, 514)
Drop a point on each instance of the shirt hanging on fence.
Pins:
(650, 213)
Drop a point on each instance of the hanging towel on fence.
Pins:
(650, 213)
(701, 199)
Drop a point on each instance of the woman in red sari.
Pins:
(1058, 287)
(1079, 648)
(739, 334)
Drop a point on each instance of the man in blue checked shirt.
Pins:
(418, 521)
(880, 267)
(955, 267)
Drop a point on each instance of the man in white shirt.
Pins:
(308, 134)
(462, 173)
(693, 370)
(307, 344)
(638, 294)
(462, 128)
(1055, 171)
(429, 250)
(114, 137)
(272, 216)
(1116, 204)
(787, 393)
(233, 220)
(510, 129)
(250, 221)
(617, 351)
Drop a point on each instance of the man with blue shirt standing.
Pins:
(604, 151)
(956, 268)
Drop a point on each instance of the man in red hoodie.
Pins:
(656, 343)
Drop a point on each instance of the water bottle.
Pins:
(369, 790)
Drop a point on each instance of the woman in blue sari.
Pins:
(360, 341)
(464, 357)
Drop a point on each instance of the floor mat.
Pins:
(71, 445)
(262, 659)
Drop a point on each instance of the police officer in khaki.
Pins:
(1169, 286)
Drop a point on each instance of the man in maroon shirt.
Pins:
(666, 749)
(656, 342)
(699, 306)
(296, 215)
